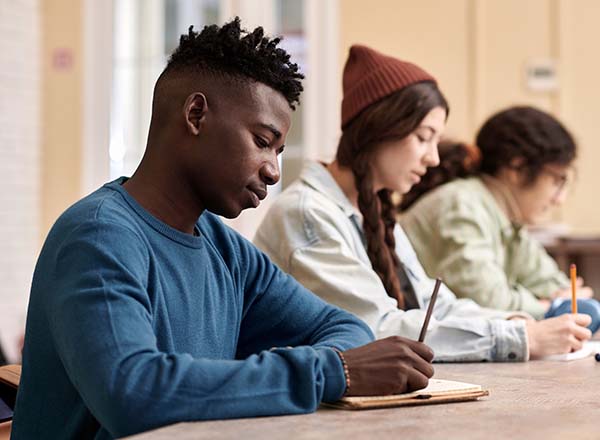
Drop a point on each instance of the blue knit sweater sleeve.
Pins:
(102, 324)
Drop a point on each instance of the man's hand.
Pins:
(561, 334)
(392, 365)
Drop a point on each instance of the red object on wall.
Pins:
(62, 59)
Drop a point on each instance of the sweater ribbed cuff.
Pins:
(333, 372)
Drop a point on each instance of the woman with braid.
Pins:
(471, 224)
(334, 229)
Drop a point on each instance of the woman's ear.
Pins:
(515, 173)
(195, 109)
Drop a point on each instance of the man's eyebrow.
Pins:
(272, 129)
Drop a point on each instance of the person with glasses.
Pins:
(465, 218)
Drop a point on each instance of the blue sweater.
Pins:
(133, 325)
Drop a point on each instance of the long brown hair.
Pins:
(393, 117)
(521, 132)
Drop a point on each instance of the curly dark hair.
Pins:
(533, 137)
(394, 117)
(233, 51)
(524, 133)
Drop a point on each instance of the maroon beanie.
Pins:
(370, 76)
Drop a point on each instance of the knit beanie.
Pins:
(370, 76)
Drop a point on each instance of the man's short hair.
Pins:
(232, 51)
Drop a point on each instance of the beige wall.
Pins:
(431, 33)
(579, 36)
(61, 131)
(478, 50)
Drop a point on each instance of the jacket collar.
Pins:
(316, 176)
(512, 216)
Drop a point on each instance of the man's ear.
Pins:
(195, 109)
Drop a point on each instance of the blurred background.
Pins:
(76, 79)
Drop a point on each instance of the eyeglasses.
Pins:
(561, 179)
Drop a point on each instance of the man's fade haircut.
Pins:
(232, 51)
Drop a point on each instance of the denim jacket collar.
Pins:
(316, 176)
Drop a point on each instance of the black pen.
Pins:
(438, 283)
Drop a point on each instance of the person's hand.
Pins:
(561, 334)
(392, 365)
(583, 292)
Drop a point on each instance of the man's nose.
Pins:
(270, 172)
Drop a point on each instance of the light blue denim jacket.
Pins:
(313, 232)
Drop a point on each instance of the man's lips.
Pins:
(257, 195)
(261, 193)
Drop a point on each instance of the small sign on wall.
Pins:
(62, 59)
(541, 75)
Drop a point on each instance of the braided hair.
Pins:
(533, 137)
(393, 117)
(232, 51)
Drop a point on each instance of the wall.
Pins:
(19, 163)
(479, 50)
(62, 108)
(40, 141)
(580, 70)
(435, 34)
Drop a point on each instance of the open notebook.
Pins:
(438, 391)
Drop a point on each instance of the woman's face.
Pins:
(547, 190)
(400, 164)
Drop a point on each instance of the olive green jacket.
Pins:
(461, 232)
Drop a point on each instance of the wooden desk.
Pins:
(533, 400)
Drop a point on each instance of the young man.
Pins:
(146, 310)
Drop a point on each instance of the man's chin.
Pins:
(229, 212)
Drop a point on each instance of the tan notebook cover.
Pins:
(438, 391)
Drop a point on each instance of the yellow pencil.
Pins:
(573, 288)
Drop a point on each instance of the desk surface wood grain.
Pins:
(533, 400)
